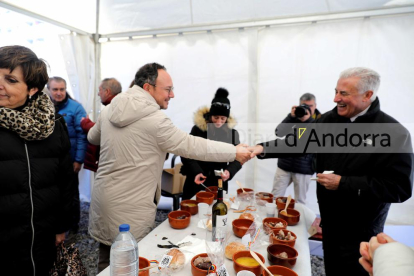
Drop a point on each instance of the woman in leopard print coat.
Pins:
(35, 167)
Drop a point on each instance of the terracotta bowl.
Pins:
(240, 226)
(213, 190)
(274, 249)
(274, 240)
(245, 253)
(247, 190)
(205, 197)
(281, 205)
(192, 209)
(268, 229)
(195, 270)
(143, 263)
(292, 218)
(179, 223)
(262, 196)
(279, 270)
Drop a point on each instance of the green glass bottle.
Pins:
(219, 215)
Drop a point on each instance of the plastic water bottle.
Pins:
(124, 253)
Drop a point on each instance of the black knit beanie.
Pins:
(220, 105)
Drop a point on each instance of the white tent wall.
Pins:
(267, 69)
(79, 54)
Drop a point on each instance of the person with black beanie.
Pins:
(214, 123)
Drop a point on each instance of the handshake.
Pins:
(244, 152)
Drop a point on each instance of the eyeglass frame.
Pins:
(169, 90)
(222, 104)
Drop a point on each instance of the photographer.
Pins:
(299, 169)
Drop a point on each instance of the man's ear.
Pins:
(146, 87)
(368, 95)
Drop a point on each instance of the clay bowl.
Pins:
(274, 249)
(279, 270)
(186, 207)
(195, 270)
(281, 205)
(264, 197)
(268, 229)
(213, 190)
(245, 253)
(205, 197)
(240, 226)
(247, 190)
(179, 223)
(292, 218)
(143, 263)
(274, 240)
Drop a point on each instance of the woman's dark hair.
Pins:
(148, 74)
(34, 69)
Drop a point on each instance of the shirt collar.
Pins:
(360, 114)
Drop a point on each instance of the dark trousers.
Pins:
(104, 254)
(76, 201)
(341, 255)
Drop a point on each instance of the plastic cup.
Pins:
(203, 210)
(270, 209)
(245, 273)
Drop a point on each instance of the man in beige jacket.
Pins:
(135, 135)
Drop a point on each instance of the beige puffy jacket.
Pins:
(135, 135)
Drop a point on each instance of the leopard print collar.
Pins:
(35, 121)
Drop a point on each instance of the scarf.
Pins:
(35, 121)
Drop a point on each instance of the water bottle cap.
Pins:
(123, 227)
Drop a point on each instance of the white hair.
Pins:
(369, 79)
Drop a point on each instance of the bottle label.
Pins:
(221, 221)
(165, 261)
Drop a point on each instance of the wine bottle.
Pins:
(219, 215)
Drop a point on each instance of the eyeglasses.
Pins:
(168, 89)
(227, 106)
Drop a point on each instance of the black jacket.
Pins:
(192, 167)
(369, 184)
(35, 200)
(302, 165)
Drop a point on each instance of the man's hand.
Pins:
(83, 118)
(367, 250)
(292, 111)
(198, 179)
(255, 150)
(225, 175)
(59, 238)
(76, 167)
(330, 181)
(242, 153)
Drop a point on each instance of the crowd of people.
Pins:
(45, 141)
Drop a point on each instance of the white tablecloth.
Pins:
(148, 246)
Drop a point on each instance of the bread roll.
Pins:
(233, 248)
(178, 259)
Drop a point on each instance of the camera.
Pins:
(300, 111)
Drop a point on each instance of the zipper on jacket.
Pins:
(31, 202)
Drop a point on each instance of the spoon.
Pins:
(205, 187)
(283, 212)
(240, 185)
(254, 255)
(147, 268)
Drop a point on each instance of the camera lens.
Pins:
(300, 112)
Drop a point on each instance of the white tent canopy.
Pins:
(266, 53)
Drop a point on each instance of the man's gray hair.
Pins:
(369, 79)
(113, 85)
(307, 97)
